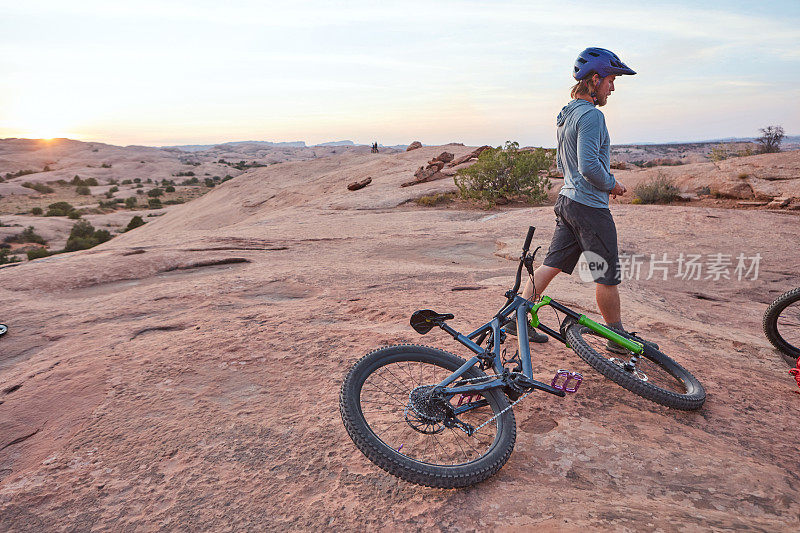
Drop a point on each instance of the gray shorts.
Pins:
(579, 229)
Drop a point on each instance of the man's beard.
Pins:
(601, 100)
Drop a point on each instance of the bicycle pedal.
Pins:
(564, 378)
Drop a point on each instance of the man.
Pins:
(583, 218)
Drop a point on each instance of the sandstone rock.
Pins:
(742, 191)
(427, 171)
(779, 202)
(414, 146)
(444, 157)
(463, 159)
(755, 203)
(687, 196)
(356, 185)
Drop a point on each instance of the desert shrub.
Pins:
(149, 180)
(192, 181)
(74, 214)
(5, 258)
(90, 181)
(657, 190)
(182, 174)
(59, 209)
(112, 181)
(209, 182)
(38, 187)
(46, 168)
(36, 211)
(718, 153)
(83, 190)
(10, 175)
(770, 140)
(169, 188)
(130, 202)
(84, 236)
(127, 182)
(134, 223)
(226, 178)
(38, 253)
(743, 176)
(506, 173)
(154, 203)
(139, 186)
(137, 180)
(26, 235)
(155, 193)
(175, 201)
(435, 199)
(105, 165)
(111, 204)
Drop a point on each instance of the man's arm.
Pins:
(589, 127)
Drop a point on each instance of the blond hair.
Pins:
(584, 87)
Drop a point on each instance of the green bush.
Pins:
(5, 258)
(130, 202)
(169, 188)
(84, 236)
(155, 193)
(83, 190)
(209, 182)
(657, 190)
(113, 189)
(134, 223)
(137, 180)
(59, 209)
(37, 211)
(154, 203)
(74, 214)
(105, 165)
(26, 235)
(506, 173)
(127, 182)
(38, 187)
(38, 253)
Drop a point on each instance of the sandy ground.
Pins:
(143, 388)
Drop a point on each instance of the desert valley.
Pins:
(185, 373)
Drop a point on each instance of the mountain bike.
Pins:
(434, 419)
(781, 325)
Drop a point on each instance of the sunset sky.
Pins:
(161, 72)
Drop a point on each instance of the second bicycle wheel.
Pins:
(782, 325)
(656, 377)
(388, 411)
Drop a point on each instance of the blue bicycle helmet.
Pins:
(603, 62)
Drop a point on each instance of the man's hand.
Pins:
(619, 188)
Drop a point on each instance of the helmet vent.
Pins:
(581, 61)
(594, 54)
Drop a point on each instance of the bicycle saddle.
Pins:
(423, 320)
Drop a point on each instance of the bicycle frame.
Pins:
(521, 307)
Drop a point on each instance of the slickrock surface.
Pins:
(185, 375)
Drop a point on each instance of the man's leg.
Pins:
(608, 302)
(542, 277)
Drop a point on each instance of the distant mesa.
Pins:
(337, 143)
(265, 144)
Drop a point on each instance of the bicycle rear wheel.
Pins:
(781, 325)
(390, 416)
(655, 377)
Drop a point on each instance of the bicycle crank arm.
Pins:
(533, 384)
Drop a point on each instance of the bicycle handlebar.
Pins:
(528, 239)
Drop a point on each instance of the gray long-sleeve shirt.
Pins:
(584, 154)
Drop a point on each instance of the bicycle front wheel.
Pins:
(391, 417)
(655, 376)
(782, 325)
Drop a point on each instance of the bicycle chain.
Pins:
(501, 412)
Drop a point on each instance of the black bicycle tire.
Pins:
(402, 466)
(789, 352)
(691, 400)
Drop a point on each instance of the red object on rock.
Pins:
(795, 373)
